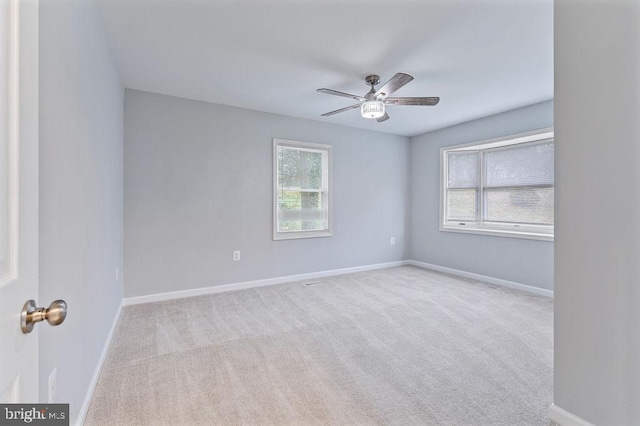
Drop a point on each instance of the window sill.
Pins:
(527, 235)
(300, 235)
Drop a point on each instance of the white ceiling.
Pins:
(480, 56)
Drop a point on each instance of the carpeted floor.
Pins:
(398, 346)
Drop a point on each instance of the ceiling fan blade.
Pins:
(396, 82)
(338, 111)
(344, 95)
(412, 101)
(385, 117)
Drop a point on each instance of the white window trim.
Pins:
(531, 232)
(302, 234)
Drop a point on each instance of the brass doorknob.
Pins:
(54, 314)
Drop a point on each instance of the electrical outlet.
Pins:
(53, 385)
(393, 240)
(117, 274)
(236, 255)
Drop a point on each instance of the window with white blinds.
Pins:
(500, 187)
(302, 205)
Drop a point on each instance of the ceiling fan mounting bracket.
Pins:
(372, 79)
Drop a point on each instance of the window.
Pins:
(302, 185)
(499, 187)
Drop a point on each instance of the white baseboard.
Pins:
(484, 278)
(96, 374)
(158, 297)
(565, 418)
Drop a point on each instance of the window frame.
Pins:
(481, 227)
(291, 235)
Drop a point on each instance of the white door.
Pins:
(18, 197)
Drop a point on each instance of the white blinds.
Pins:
(512, 184)
(520, 166)
(519, 184)
(462, 194)
(463, 170)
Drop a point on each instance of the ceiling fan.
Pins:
(373, 104)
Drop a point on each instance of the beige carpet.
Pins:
(398, 346)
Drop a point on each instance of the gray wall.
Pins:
(523, 261)
(81, 200)
(597, 297)
(198, 185)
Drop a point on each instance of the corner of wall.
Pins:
(81, 100)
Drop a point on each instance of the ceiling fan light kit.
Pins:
(373, 104)
(372, 109)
